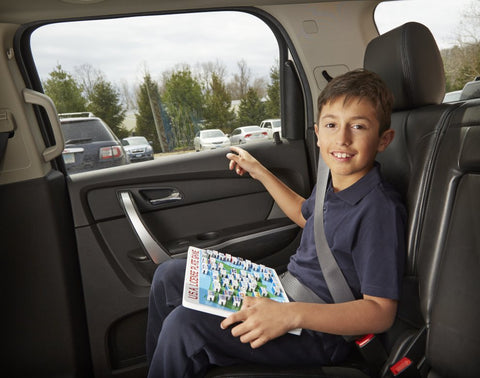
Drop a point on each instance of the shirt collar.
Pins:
(354, 193)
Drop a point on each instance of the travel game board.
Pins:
(217, 282)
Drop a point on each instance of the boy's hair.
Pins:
(361, 84)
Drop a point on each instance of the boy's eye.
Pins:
(329, 125)
(357, 127)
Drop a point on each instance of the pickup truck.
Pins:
(272, 126)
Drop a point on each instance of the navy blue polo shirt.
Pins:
(365, 229)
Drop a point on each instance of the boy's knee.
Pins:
(179, 325)
(167, 285)
(187, 324)
(168, 272)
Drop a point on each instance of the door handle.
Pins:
(172, 196)
(150, 245)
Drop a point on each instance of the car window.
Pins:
(91, 130)
(455, 25)
(135, 141)
(162, 77)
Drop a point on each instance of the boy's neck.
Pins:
(340, 183)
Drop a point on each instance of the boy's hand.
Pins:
(242, 162)
(260, 320)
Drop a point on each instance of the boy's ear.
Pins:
(385, 139)
(316, 133)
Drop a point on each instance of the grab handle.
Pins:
(33, 97)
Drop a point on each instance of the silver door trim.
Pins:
(150, 245)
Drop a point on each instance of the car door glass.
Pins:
(117, 73)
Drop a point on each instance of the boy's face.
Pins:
(348, 137)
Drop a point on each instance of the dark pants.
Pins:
(184, 343)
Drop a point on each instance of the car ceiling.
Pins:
(27, 11)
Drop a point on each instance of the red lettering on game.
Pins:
(193, 281)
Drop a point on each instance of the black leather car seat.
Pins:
(408, 60)
(448, 263)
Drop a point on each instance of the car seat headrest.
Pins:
(408, 60)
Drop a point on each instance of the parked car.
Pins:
(248, 134)
(89, 143)
(210, 139)
(272, 126)
(137, 148)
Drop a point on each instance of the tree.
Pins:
(240, 84)
(462, 62)
(217, 112)
(88, 76)
(65, 92)
(183, 100)
(127, 93)
(207, 70)
(251, 110)
(104, 102)
(272, 105)
(144, 116)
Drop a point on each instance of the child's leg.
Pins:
(191, 341)
(165, 295)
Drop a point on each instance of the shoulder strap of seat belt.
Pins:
(6, 131)
(3, 143)
(336, 282)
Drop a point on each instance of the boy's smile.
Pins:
(348, 137)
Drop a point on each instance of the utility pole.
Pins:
(157, 119)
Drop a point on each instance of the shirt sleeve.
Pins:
(308, 206)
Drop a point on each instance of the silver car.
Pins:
(137, 148)
(210, 140)
(248, 134)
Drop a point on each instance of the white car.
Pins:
(272, 126)
(248, 134)
(210, 140)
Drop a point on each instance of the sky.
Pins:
(123, 52)
(157, 44)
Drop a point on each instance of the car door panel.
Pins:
(215, 208)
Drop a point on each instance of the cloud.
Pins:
(443, 17)
(122, 48)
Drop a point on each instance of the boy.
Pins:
(364, 225)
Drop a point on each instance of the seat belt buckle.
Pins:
(7, 124)
(400, 366)
(364, 340)
(372, 351)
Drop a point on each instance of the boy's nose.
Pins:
(343, 136)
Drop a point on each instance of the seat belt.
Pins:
(334, 278)
(6, 131)
(3, 143)
(369, 346)
(336, 282)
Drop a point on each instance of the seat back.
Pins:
(449, 260)
(408, 60)
(435, 162)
